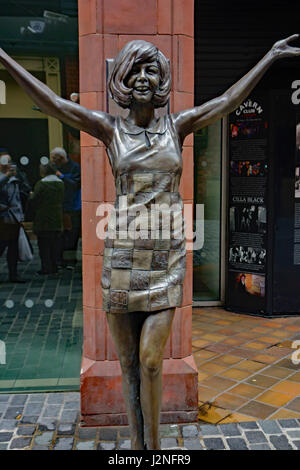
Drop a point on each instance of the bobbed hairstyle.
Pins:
(137, 52)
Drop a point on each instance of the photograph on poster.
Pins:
(246, 284)
(247, 255)
(248, 218)
(248, 128)
(298, 142)
(248, 168)
(297, 182)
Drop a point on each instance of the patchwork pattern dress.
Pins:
(144, 254)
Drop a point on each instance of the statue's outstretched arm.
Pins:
(196, 118)
(96, 123)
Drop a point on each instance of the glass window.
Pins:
(207, 159)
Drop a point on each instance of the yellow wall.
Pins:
(18, 104)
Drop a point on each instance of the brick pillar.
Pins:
(104, 27)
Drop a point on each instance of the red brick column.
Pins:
(104, 27)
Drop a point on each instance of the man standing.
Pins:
(69, 172)
(11, 214)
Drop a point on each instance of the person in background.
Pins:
(46, 204)
(11, 214)
(69, 172)
(24, 186)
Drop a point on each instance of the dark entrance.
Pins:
(26, 137)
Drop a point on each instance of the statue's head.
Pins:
(132, 55)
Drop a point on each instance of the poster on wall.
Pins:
(248, 176)
(297, 195)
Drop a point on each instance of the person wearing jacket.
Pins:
(11, 214)
(46, 203)
(69, 172)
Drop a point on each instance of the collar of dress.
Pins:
(159, 127)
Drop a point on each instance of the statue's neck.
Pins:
(142, 116)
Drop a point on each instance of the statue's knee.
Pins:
(150, 364)
(129, 366)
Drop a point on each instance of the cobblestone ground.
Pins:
(50, 421)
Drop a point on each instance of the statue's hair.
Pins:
(135, 52)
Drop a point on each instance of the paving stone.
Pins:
(6, 436)
(13, 411)
(236, 443)
(248, 425)
(106, 446)
(87, 433)
(124, 432)
(63, 443)
(294, 434)
(190, 431)
(297, 444)
(69, 417)
(29, 419)
(39, 448)
(66, 429)
(107, 434)
(8, 424)
(85, 445)
(280, 442)
(255, 437)
(72, 396)
(18, 400)
(33, 409)
(260, 447)
(52, 411)
(209, 430)
(55, 398)
(3, 407)
(3, 446)
(44, 439)
(20, 443)
(288, 423)
(46, 424)
(26, 430)
(124, 444)
(167, 442)
(230, 429)
(192, 444)
(72, 405)
(214, 443)
(37, 398)
(169, 430)
(270, 427)
(5, 398)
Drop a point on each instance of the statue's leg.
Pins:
(155, 332)
(126, 330)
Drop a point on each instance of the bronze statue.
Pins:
(142, 277)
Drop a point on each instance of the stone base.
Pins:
(102, 402)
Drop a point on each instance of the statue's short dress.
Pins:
(144, 254)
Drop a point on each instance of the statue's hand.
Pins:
(282, 48)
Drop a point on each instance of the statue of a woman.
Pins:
(142, 277)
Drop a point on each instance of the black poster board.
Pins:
(248, 183)
(263, 237)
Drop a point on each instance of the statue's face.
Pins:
(144, 80)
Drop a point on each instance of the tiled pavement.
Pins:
(51, 422)
(41, 327)
(245, 363)
(245, 366)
